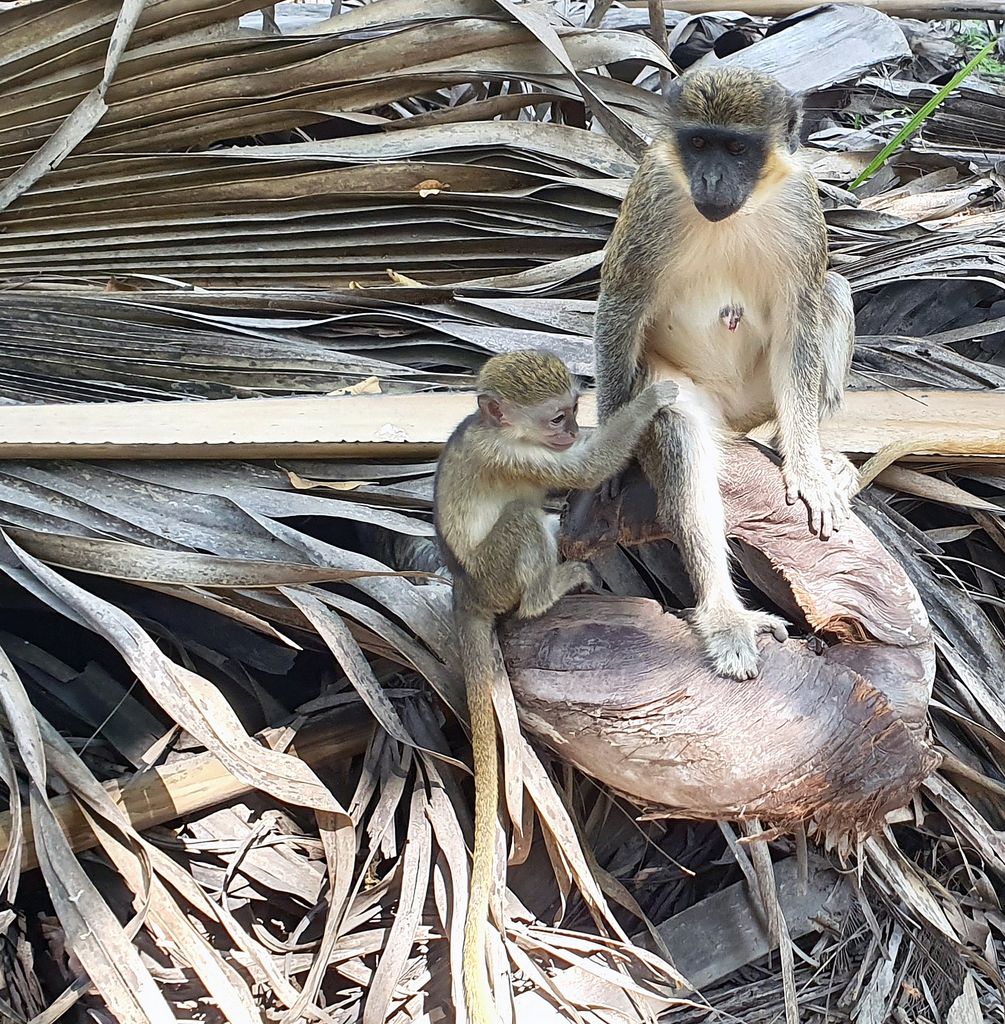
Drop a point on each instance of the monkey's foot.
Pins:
(611, 488)
(570, 575)
(566, 577)
(730, 637)
(825, 496)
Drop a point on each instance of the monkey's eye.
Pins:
(697, 142)
(556, 421)
(735, 147)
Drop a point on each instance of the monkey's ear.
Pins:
(491, 409)
(673, 95)
(794, 121)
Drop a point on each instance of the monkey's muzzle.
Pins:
(716, 211)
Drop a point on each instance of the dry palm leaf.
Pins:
(206, 238)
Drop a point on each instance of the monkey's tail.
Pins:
(476, 635)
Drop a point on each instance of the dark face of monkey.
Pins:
(551, 422)
(722, 167)
(732, 130)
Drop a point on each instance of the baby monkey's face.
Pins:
(554, 421)
(550, 423)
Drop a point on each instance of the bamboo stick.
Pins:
(945, 423)
(193, 784)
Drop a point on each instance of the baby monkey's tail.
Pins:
(476, 636)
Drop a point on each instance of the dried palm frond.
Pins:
(190, 209)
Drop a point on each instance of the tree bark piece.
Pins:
(623, 690)
(193, 784)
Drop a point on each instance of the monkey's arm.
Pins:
(618, 344)
(627, 289)
(797, 366)
(604, 453)
(613, 443)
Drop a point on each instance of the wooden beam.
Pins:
(709, 940)
(193, 784)
(922, 9)
(947, 423)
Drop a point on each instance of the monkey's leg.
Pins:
(680, 456)
(499, 566)
(544, 580)
(517, 563)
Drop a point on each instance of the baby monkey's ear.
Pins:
(491, 410)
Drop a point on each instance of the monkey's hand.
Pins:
(666, 392)
(825, 496)
(611, 488)
(730, 637)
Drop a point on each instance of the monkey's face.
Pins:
(722, 166)
(556, 422)
(551, 422)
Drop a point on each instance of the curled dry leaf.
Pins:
(193, 701)
(430, 187)
(97, 939)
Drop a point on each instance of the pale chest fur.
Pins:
(721, 303)
(476, 507)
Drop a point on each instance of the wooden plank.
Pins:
(725, 931)
(947, 423)
(922, 9)
(708, 941)
(193, 784)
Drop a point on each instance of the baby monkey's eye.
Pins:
(557, 420)
(697, 142)
(735, 147)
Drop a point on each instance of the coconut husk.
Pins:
(623, 690)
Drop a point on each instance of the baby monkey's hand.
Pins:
(642, 408)
(665, 393)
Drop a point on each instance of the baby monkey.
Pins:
(491, 484)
